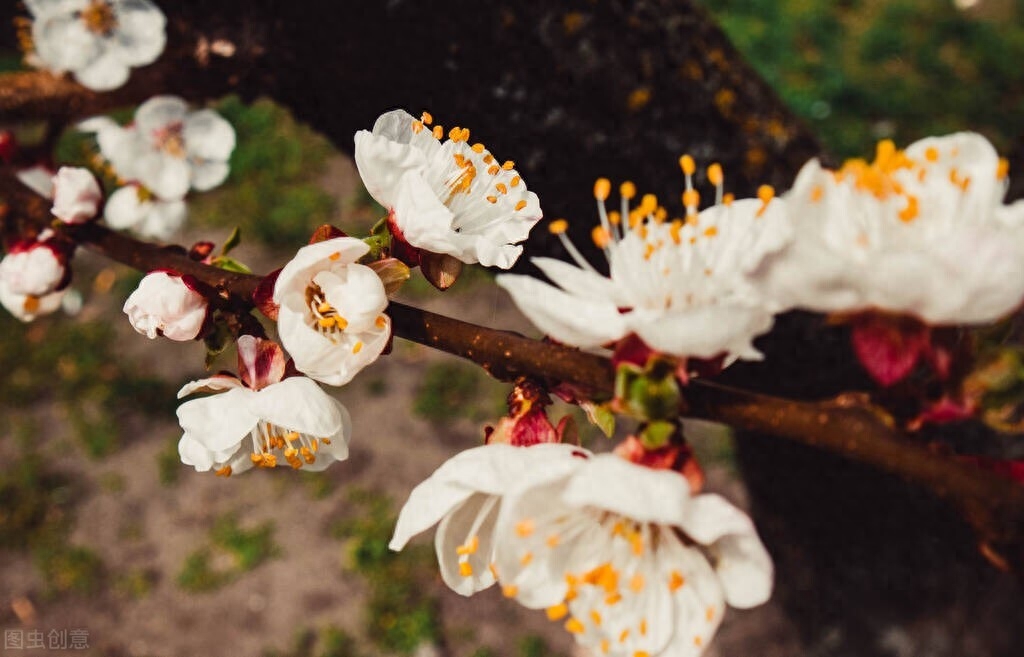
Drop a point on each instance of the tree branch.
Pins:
(849, 425)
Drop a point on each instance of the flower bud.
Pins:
(33, 269)
(164, 304)
(76, 195)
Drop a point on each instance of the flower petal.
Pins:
(218, 422)
(566, 318)
(611, 483)
(297, 404)
(209, 136)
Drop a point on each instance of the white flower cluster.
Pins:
(921, 233)
(629, 559)
(98, 41)
(167, 151)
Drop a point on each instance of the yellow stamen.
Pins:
(469, 547)
(691, 199)
(357, 347)
(520, 205)
(710, 231)
(492, 199)
(501, 188)
(477, 147)
(557, 612)
(510, 591)
(910, 212)
(427, 118)
(465, 569)
(602, 188)
(1002, 169)
(816, 193)
(612, 599)
(552, 541)
(438, 132)
(381, 321)
(558, 226)
(524, 528)
(709, 613)
(931, 154)
(417, 127)
(614, 218)
(636, 583)
(676, 581)
(715, 176)
(627, 190)
(574, 626)
(508, 165)
(224, 472)
(643, 627)
(515, 181)
(526, 558)
(728, 199)
(595, 616)
(687, 164)
(600, 236)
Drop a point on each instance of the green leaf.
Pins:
(601, 416)
(230, 264)
(233, 240)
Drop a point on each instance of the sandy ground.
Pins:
(142, 526)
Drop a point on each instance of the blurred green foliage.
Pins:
(247, 549)
(402, 610)
(273, 191)
(860, 70)
(329, 642)
(75, 365)
(452, 389)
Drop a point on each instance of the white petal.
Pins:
(218, 422)
(297, 274)
(428, 503)
(702, 331)
(297, 404)
(162, 219)
(141, 34)
(193, 453)
(166, 176)
(566, 318)
(337, 449)
(455, 529)
(209, 136)
(105, 72)
(217, 383)
(208, 175)
(578, 282)
(158, 113)
(611, 483)
(63, 42)
(123, 209)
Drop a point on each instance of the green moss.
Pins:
(272, 193)
(328, 642)
(67, 568)
(452, 390)
(859, 70)
(248, 548)
(402, 610)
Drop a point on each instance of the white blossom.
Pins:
(164, 304)
(331, 318)
(634, 562)
(681, 285)
(76, 195)
(168, 149)
(464, 495)
(134, 208)
(27, 307)
(96, 40)
(921, 232)
(33, 268)
(261, 419)
(449, 197)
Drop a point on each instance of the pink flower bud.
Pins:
(164, 305)
(76, 195)
(32, 268)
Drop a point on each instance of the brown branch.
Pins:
(994, 507)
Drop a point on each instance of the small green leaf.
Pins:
(230, 264)
(657, 434)
(233, 240)
(600, 416)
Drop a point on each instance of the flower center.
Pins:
(171, 139)
(99, 17)
(501, 180)
(269, 442)
(325, 318)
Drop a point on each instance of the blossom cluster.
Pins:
(622, 548)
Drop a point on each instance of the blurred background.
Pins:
(103, 529)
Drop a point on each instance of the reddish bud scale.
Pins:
(679, 458)
(263, 295)
(889, 347)
(326, 232)
(400, 248)
(8, 146)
